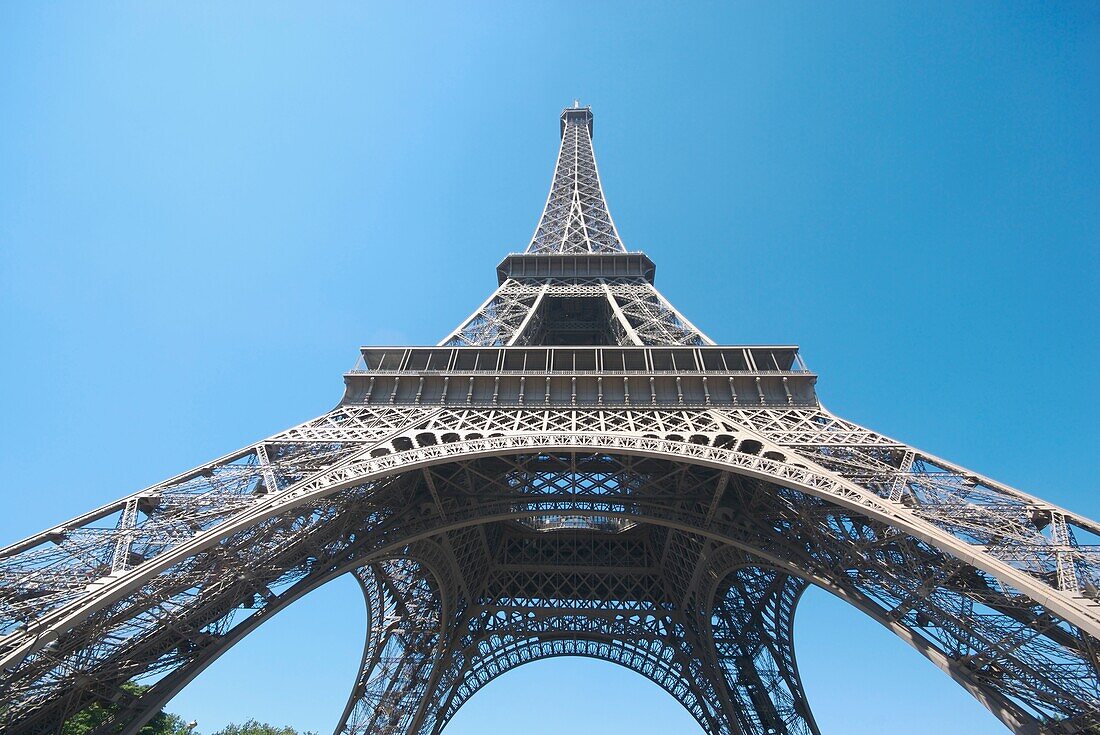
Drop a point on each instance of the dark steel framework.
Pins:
(575, 470)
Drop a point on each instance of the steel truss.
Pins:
(502, 502)
(634, 314)
(576, 218)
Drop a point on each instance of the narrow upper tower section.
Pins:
(576, 219)
(576, 284)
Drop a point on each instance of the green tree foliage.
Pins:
(95, 715)
(252, 727)
(163, 723)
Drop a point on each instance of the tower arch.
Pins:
(788, 510)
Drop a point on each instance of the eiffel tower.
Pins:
(576, 470)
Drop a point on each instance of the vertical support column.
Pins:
(752, 640)
(127, 522)
(901, 479)
(522, 328)
(406, 609)
(267, 472)
(1063, 540)
(618, 312)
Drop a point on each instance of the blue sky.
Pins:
(205, 208)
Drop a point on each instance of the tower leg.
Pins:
(405, 608)
(752, 634)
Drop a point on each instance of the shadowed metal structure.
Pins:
(575, 470)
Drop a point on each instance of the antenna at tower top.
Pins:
(576, 103)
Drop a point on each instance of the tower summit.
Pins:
(576, 219)
(600, 294)
(575, 470)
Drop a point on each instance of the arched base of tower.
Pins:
(686, 573)
(723, 649)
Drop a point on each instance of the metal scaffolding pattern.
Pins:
(576, 470)
(576, 218)
(600, 311)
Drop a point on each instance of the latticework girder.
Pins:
(576, 470)
(576, 218)
(1018, 649)
(620, 313)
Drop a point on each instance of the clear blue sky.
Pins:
(206, 208)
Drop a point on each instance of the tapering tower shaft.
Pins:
(576, 284)
(576, 218)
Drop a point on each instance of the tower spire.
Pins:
(576, 218)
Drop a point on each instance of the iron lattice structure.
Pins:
(575, 470)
